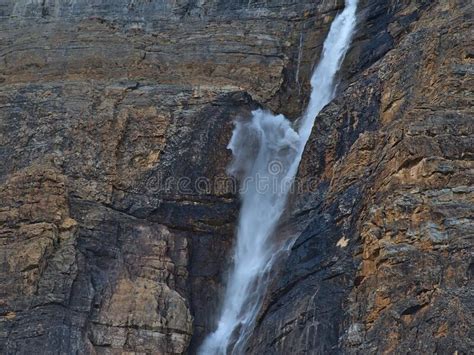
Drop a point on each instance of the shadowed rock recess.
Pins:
(104, 105)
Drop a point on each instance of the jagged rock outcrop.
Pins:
(116, 219)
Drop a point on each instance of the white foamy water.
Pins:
(267, 151)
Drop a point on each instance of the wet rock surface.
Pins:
(116, 220)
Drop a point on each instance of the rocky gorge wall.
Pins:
(105, 104)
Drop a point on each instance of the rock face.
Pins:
(383, 261)
(116, 216)
(114, 121)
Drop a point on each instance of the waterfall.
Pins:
(267, 151)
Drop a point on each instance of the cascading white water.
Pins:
(267, 152)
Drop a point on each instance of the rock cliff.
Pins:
(116, 217)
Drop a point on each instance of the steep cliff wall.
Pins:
(105, 105)
(383, 261)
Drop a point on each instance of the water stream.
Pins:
(267, 151)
